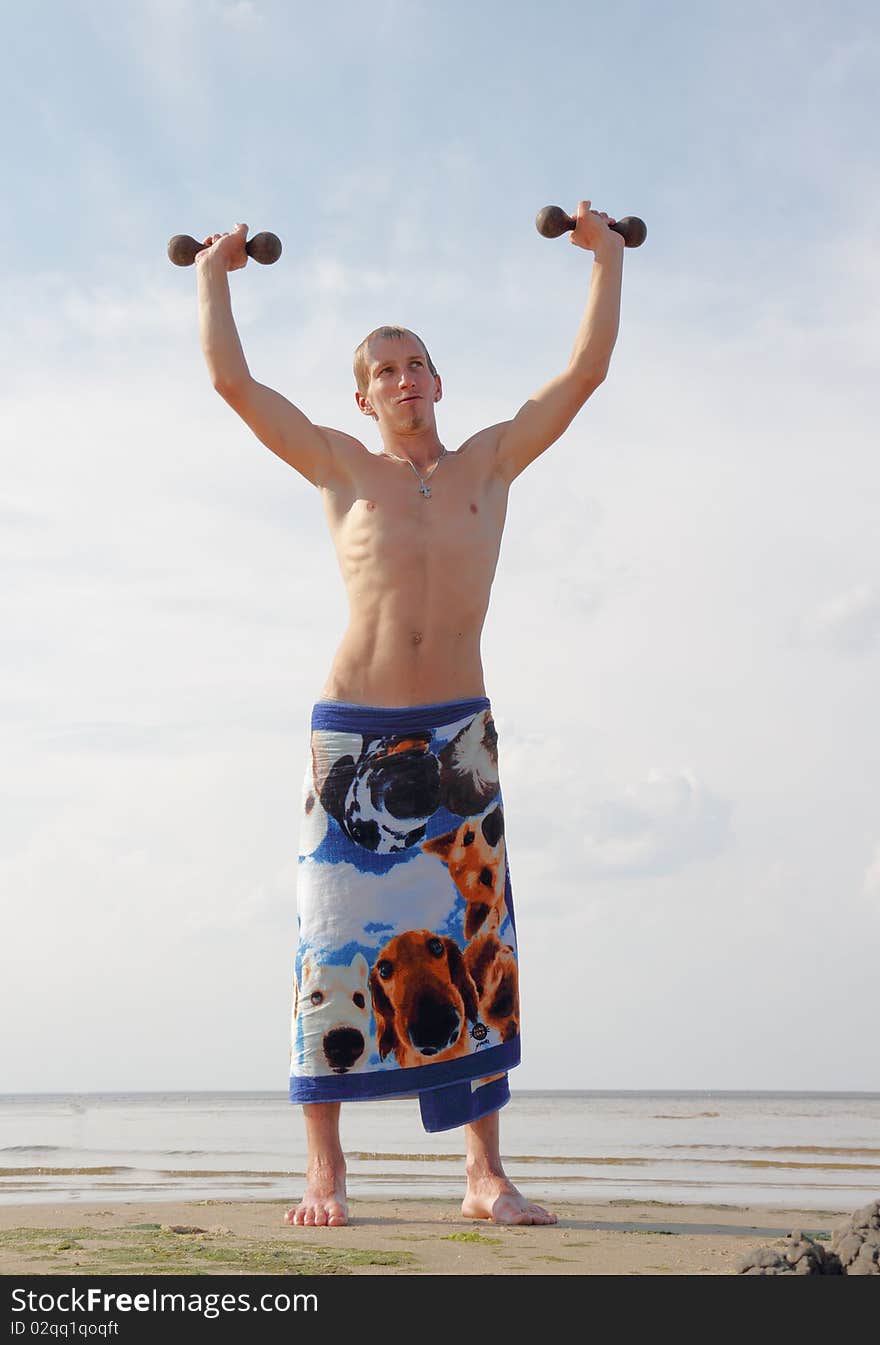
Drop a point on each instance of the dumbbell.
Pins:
(265, 248)
(552, 221)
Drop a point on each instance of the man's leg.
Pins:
(490, 1194)
(324, 1202)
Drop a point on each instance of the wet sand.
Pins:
(389, 1237)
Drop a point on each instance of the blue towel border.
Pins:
(347, 717)
(402, 1082)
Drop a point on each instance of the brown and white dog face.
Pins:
(493, 970)
(469, 767)
(334, 1005)
(475, 855)
(423, 998)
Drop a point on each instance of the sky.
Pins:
(682, 649)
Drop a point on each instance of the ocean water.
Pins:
(807, 1150)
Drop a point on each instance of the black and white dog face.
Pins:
(384, 798)
(333, 1005)
(383, 791)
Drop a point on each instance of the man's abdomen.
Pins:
(408, 664)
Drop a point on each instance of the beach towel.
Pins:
(405, 976)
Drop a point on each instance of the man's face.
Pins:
(401, 390)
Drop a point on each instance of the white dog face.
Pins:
(333, 1004)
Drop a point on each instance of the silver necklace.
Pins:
(424, 488)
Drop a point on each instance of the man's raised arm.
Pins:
(280, 425)
(547, 414)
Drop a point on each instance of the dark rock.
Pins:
(856, 1242)
(798, 1254)
(868, 1260)
(763, 1261)
(855, 1250)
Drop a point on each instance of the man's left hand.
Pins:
(592, 232)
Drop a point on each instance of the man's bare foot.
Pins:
(325, 1204)
(496, 1198)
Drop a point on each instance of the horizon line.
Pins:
(522, 1092)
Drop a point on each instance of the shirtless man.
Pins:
(418, 573)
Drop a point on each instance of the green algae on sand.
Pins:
(150, 1249)
(469, 1237)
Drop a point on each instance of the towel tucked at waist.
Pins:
(406, 969)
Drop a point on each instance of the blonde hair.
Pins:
(361, 371)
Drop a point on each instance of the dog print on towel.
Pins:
(383, 791)
(383, 798)
(475, 855)
(406, 918)
(334, 1004)
(469, 767)
(424, 999)
(492, 967)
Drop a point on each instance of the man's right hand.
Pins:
(226, 249)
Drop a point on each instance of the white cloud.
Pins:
(420, 888)
(871, 882)
(659, 826)
(848, 623)
(240, 14)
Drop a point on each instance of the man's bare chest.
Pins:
(385, 515)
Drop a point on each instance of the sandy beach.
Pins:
(388, 1237)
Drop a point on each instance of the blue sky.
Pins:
(683, 645)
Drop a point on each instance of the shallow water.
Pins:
(807, 1150)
